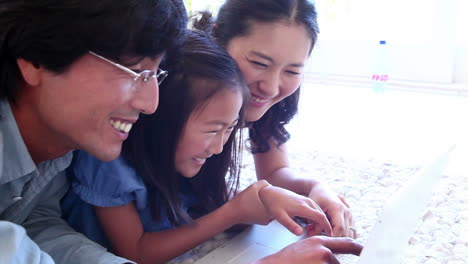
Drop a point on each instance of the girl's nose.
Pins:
(217, 144)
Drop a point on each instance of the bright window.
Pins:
(194, 6)
(401, 21)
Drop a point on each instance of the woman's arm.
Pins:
(274, 167)
(124, 229)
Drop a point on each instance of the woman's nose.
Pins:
(269, 86)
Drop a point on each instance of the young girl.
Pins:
(271, 40)
(167, 193)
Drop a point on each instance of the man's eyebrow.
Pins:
(268, 58)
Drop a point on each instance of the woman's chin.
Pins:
(253, 115)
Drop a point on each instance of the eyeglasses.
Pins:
(144, 76)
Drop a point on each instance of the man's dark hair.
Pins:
(55, 33)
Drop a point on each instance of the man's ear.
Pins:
(31, 73)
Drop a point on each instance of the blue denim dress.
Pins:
(109, 184)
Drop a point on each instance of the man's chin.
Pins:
(109, 154)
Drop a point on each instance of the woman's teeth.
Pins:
(199, 159)
(259, 100)
(121, 126)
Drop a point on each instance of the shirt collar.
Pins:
(15, 160)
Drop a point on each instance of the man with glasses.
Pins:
(141, 78)
(74, 74)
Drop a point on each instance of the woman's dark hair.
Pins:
(234, 20)
(55, 33)
(199, 71)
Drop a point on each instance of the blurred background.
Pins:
(420, 107)
(427, 40)
(385, 91)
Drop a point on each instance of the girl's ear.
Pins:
(31, 73)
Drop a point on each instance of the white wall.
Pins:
(419, 49)
(411, 62)
(461, 65)
(429, 47)
(461, 51)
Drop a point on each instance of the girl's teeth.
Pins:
(121, 126)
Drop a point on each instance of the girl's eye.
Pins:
(229, 129)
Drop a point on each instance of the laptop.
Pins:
(387, 240)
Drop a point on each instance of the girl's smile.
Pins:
(206, 131)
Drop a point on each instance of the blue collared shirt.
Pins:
(110, 184)
(30, 197)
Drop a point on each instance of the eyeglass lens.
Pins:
(146, 76)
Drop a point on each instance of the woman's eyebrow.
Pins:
(268, 58)
(297, 65)
(263, 56)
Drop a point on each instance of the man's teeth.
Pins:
(121, 126)
(258, 100)
(199, 159)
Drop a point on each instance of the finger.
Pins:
(327, 256)
(317, 217)
(314, 205)
(351, 220)
(340, 226)
(313, 230)
(290, 224)
(343, 200)
(342, 245)
(352, 231)
(333, 260)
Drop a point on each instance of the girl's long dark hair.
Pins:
(233, 20)
(200, 70)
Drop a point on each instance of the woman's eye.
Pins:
(293, 72)
(259, 64)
